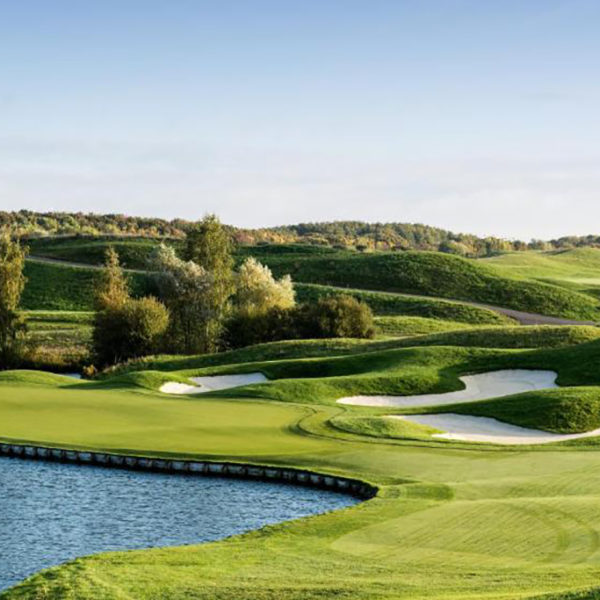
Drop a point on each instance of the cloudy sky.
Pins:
(474, 116)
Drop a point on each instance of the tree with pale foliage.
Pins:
(12, 283)
(257, 291)
(186, 288)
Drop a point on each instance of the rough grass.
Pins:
(65, 288)
(436, 274)
(58, 340)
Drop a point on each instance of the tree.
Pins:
(257, 291)
(210, 246)
(186, 288)
(12, 283)
(112, 289)
(124, 327)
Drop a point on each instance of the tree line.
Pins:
(201, 305)
(353, 235)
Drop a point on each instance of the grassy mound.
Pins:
(436, 274)
(567, 410)
(382, 427)
(386, 304)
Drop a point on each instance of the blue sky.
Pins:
(475, 116)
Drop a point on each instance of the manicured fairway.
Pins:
(450, 521)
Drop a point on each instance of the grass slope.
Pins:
(436, 274)
(567, 410)
(61, 287)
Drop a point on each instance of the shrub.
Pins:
(129, 330)
(331, 317)
(336, 316)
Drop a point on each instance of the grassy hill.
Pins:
(510, 280)
(62, 287)
(577, 269)
(436, 274)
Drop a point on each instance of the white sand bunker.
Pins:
(483, 429)
(477, 387)
(212, 383)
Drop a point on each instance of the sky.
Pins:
(478, 117)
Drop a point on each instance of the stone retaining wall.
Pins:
(352, 487)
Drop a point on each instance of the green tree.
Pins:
(12, 283)
(210, 246)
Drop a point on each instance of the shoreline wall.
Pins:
(353, 487)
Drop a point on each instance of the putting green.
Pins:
(450, 521)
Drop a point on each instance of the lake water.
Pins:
(51, 512)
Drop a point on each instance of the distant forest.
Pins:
(340, 234)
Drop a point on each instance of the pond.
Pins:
(51, 512)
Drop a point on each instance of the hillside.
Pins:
(436, 274)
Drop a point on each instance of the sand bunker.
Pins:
(477, 387)
(483, 429)
(212, 383)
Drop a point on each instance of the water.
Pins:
(51, 512)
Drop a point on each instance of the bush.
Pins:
(331, 317)
(130, 330)
(336, 317)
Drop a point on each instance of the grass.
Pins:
(391, 304)
(567, 410)
(133, 253)
(65, 288)
(580, 265)
(407, 326)
(449, 522)
(436, 274)
(58, 340)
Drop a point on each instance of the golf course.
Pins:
(453, 517)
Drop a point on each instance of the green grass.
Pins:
(65, 288)
(580, 264)
(567, 410)
(452, 521)
(449, 522)
(133, 253)
(391, 304)
(406, 326)
(436, 274)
